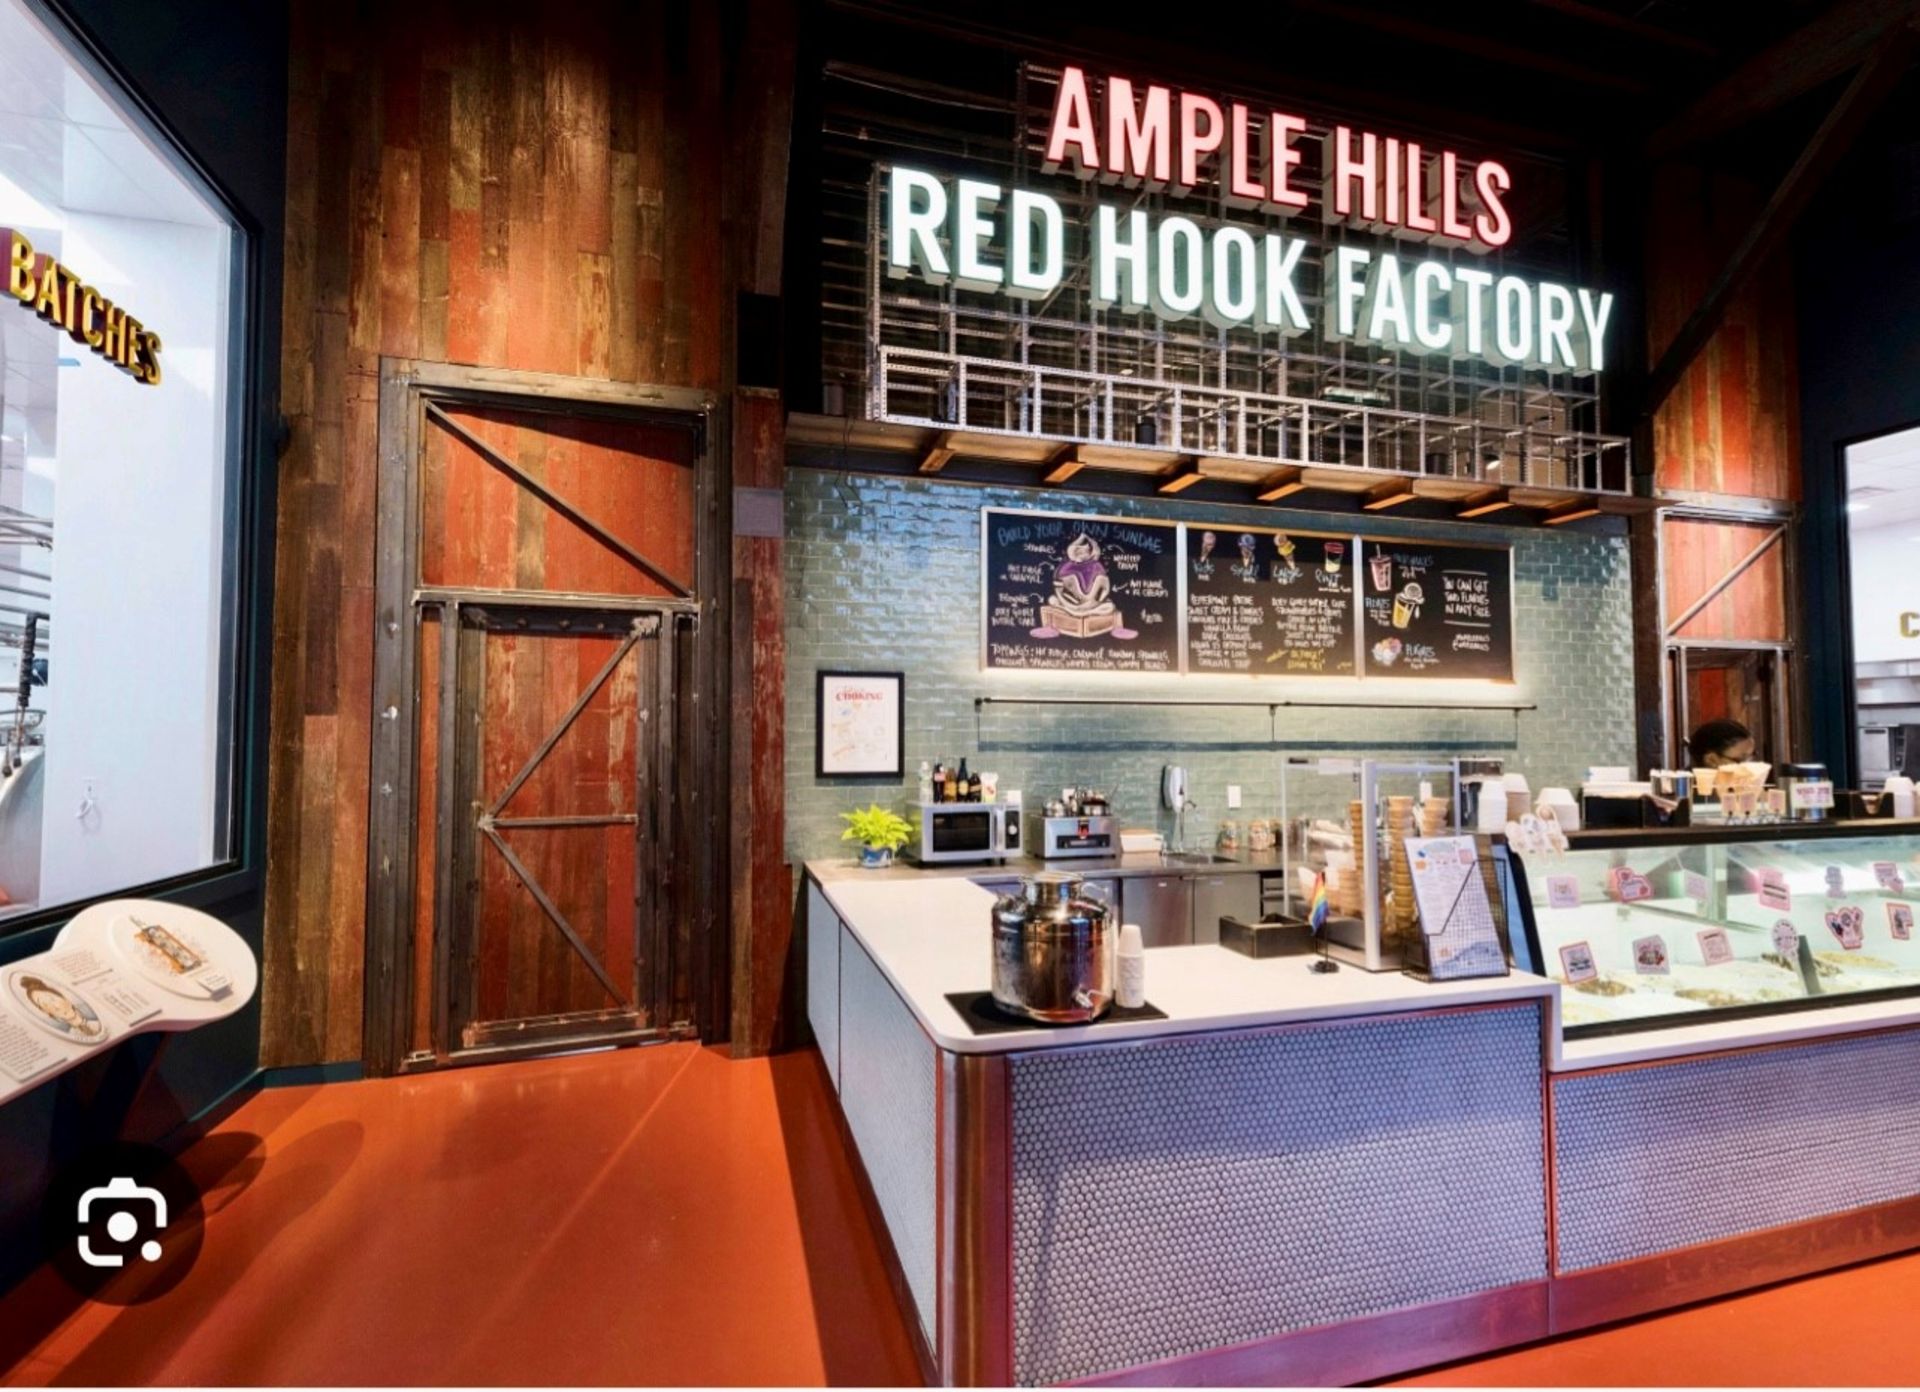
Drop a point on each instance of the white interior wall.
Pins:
(1885, 565)
(134, 672)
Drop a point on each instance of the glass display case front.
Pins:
(1652, 929)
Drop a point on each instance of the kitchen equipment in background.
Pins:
(1176, 796)
(1900, 789)
(1132, 841)
(1669, 797)
(961, 831)
(1808, 790)
(1052, 837)
(1519, 796)
(1475, 776)
(1052, 960)
(1876, 754)
(1612, 805)
(1560, 802)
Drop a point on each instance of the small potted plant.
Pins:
(879, 832)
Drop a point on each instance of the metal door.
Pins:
(539, 874)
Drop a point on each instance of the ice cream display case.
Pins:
(1647, 929)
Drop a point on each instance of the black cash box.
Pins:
(1274, 936)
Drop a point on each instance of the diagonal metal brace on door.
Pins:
(549, 908)
(1725, 582)
(644, 626)
(552, 499)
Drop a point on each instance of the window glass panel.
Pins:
(115, 392)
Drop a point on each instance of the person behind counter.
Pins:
(1720, 742)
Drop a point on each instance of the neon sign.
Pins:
(982, 237)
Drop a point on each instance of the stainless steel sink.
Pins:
(1195, 858)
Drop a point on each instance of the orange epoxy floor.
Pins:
(669, 1216)
(662, 1215)
(1850, 1328)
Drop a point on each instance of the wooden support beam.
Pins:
(1572, 513)
(1869, 88)
(1064, 464)
(1485, 504)
(1389, 494)
(938, 453)
(1842, 38)
(1283, 484)
(1185, 474)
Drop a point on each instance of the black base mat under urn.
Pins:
(984, 1017)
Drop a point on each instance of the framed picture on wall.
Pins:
(860, 724)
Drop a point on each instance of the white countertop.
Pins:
(933, 937)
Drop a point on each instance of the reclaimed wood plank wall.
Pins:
(1732, 424)
(1731, 427)
(548, 190)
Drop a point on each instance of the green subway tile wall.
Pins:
(884, 574)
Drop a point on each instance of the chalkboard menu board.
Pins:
(1269, 603)
(1437, 611)
(1080, 594)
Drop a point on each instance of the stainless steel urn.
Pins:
(1051, 953)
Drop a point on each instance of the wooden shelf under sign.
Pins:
(1010, 460)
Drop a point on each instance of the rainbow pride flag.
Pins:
(1317, 904)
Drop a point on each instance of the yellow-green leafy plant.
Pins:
(877, 827)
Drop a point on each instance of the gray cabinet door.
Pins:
(1163, 907)
(1218, 896)
(823, 978)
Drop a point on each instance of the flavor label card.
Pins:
(1695, 887)
(1900, 920)
(1836, 882)
(124, 999)
(1650, 956)
(1772, 891)
(1848, 926)
(1887, 875)
(1715, 949)
(1786, 939)
(23, 1054)
(1563, 892)
(1628, 885)
(1577, 964)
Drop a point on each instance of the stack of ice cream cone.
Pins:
(1400, 877)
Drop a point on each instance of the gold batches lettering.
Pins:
(60, 297)
(1910, 625)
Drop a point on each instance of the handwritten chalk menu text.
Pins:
(1438, 611)
(1269, 603)
(1081, 594)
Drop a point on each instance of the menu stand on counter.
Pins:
(1462, 930)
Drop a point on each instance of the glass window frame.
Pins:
(237, 865)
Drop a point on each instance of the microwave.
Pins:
(955, 831)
